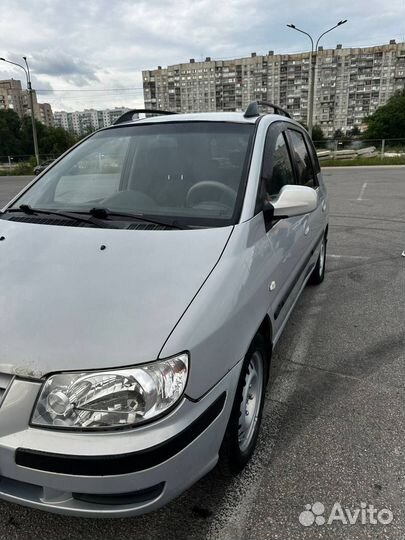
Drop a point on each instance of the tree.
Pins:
(26, 140)
(355, 132)
(16, 137)
(341, 136)
(388, 121)
(9, 132)
(338, 134)
(317, 134)
(56, 141)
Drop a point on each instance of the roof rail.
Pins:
(253, 109)
(128, 116)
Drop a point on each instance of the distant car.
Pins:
(39, 168)
(140, 305)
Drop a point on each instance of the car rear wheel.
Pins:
(318, 273)
(244, 424)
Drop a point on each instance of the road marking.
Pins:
(330, 256)
(363, 189)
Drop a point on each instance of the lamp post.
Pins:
(314, 51)
(31, 98)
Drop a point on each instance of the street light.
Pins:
(314, 51)
(30, 93)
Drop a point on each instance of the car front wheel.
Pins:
(318, 273)
(244, 424)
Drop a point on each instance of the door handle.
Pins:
(306, 230)
(323, 206)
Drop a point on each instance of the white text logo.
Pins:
(314, 514)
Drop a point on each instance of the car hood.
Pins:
(83, 298)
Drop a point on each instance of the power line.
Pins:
(93, 96)
(96, 96)
(43, 90)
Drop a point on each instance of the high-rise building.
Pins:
(46, 114)
(5, 99)
(13, 96)
(350, 84)
(82, 122)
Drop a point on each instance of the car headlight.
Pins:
(111, 398)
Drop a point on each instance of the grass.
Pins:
(362, 161)
(22, 169)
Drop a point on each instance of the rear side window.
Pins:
(302, 159)
(277, 168)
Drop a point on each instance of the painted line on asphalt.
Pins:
(363, 189)
(333, 256)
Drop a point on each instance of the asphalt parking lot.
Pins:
(10, 186)
(334, 423)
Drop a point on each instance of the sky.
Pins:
(90, 53)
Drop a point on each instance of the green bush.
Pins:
(362, 161)
(25, 168)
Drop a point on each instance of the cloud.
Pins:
(86, 45)
(71, 69)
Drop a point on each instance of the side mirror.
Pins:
(295, 201)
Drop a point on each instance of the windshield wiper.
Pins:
(29, 210)
(105, 213)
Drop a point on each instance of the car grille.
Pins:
(136, 497)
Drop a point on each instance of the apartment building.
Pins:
(16, 96)
(350, 84)
(5, 99)
(13, 96)
(82, 122)
(46, 114)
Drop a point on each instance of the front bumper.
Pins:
(113, 473)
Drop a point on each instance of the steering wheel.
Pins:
(209, 191)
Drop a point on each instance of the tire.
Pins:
(318, 273)
(241, 436)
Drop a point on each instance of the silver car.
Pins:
(145, 278)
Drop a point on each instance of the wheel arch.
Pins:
(266, 330)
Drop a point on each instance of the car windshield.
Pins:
(192, 172)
